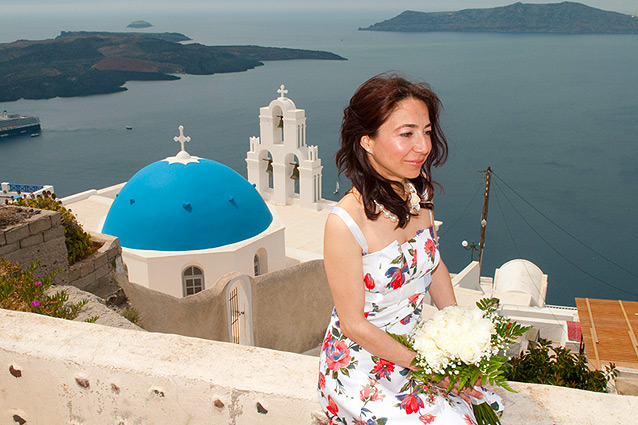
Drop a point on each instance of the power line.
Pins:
(556, 250)
(447, 228)
(565, 231)
(509, 232)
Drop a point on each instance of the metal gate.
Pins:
(240, 326)
(235, 315)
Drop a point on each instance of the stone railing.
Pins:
(59, 371)
(94, 273)
(9, 190)
(39, 237)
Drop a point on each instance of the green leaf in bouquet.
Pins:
(401, 338)
(421, 375)
(488, 304)
(504, 384)
(468, 376)
(494, 364)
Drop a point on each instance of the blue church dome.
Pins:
(182, 204)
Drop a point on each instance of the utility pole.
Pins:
(486, 198)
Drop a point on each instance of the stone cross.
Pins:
(283, 92)
(182, 139)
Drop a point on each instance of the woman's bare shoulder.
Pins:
(351, 203)
(352, 206)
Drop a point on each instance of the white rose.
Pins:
(423, 342)
(450, 346)
(470, 353)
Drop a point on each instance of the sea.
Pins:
(554, 116)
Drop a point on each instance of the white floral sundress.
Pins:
(357, 387)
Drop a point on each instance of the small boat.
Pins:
(129, 127)
(336, 189)
(35, 134)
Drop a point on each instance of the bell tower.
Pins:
(282, 167)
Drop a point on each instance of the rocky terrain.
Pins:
(559, 18)
(87, 63)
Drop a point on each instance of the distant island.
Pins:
(557, 18)
(174, 37)
(139, 24)
(87, 63)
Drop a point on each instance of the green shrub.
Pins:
(78, 243)
(20, 290)
(132, 315)
(544, 364)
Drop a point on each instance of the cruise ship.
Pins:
(18, 124)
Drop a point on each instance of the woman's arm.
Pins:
(441, 287)
(344, 269)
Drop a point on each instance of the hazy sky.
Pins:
(79, 6)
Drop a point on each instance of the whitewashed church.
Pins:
(185, 221)
(282, 167)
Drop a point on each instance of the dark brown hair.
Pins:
(372, 104)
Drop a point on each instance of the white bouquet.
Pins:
(463, 344)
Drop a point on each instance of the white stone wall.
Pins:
(162, 271)
(39, 237)
(54, 371)
(94, 273)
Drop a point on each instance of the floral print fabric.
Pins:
(358, 388)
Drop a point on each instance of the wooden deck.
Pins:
(609, 331)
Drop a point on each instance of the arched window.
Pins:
(260, 262)
(256, 267)
(192, 280)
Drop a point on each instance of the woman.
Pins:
(381, 257)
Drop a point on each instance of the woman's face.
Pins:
(402, 142)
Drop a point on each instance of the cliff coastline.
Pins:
(556, 18)
(87, 63)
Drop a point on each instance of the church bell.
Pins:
(269, 166)
(295, 171)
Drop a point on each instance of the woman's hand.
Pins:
(464, 393)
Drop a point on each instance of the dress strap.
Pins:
(356, 231)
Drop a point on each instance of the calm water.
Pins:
(556, 117)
